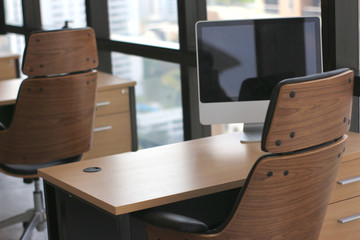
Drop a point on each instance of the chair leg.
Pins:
(39, 207)
(35, 218)
(24, 217)
(34, 223)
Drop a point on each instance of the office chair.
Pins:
(53, 119)
(286, 194)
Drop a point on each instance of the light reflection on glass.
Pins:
(13, 12)
(55, 13)
(151, 22)
(13, 43)
(158, 98)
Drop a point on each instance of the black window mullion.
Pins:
(2, 17)
(14, 29)
(31, 16)
(328, 34)
(97, 17)
(189, 12)
(153, 52)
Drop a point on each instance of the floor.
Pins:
(16, 197)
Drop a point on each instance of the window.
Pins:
(54, 13)
(14, 14)
(13, 43)
(152, 22)
(158, 98)
(245, 9)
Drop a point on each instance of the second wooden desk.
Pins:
(115, 120)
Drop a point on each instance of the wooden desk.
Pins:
(9, 90)
(115, 120)
(9, 65)
(138, 180)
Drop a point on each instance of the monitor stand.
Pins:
(252, 132)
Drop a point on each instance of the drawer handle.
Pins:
(101, 129)
(349, 219)
(102, 104)
(349, 180)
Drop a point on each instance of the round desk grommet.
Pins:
(92, 169)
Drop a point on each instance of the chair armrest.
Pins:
(171, 220)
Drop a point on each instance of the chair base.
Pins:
(31, 219)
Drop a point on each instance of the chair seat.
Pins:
(172, 221)
(31, 169)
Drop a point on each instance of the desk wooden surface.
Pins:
(137, 180)
(9, 65)
(9, 88)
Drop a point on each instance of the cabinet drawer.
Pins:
(332, 229)
(112, 135)
(7, 69)
(112, 101)
(349, 175)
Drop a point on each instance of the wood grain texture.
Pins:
(8, 66)
(156, 176)
(112, 111)
(110, 88)
(333, 229)
(289, 203)
(53, 119)
(114, 140)
(56, 52)
(117, 99)
(286, 195)
(9, 88)
(319, 112)
(352, 151)
(347, 170)
(108, 81)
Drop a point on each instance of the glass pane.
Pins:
(145, 22)
(158, 98)
(13, 43)
(249, 9)
(243, 9)
(13, 12)
(54, 13)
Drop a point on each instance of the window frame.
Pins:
(189, 12)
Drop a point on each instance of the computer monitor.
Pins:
(240, 61)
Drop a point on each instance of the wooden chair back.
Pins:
(305, 130)
(287, 192)
(308, 111)
(61, 51)
(55, 107)
(284, 197)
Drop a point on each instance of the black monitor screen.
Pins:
(242, 60)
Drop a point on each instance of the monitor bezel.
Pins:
(238, 112)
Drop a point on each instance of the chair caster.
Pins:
(25, 224)
(41, 227)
